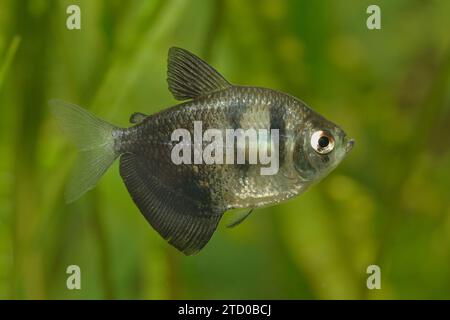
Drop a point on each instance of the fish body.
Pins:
(184, 202)
(226, 186)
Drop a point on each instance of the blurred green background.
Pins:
(388, 203)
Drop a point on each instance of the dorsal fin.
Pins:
(189, 77)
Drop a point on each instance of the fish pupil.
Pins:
(323, 141)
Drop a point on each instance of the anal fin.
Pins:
(185, 223)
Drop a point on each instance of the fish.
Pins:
(184, 202)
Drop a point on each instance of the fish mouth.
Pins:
(349, 145)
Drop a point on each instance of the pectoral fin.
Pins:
(239, 219)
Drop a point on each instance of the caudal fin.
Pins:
(95, 142)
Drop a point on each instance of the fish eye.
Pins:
(322, 142)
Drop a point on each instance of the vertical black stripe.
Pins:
(237, 111)
(277, 121)
(237, 108)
